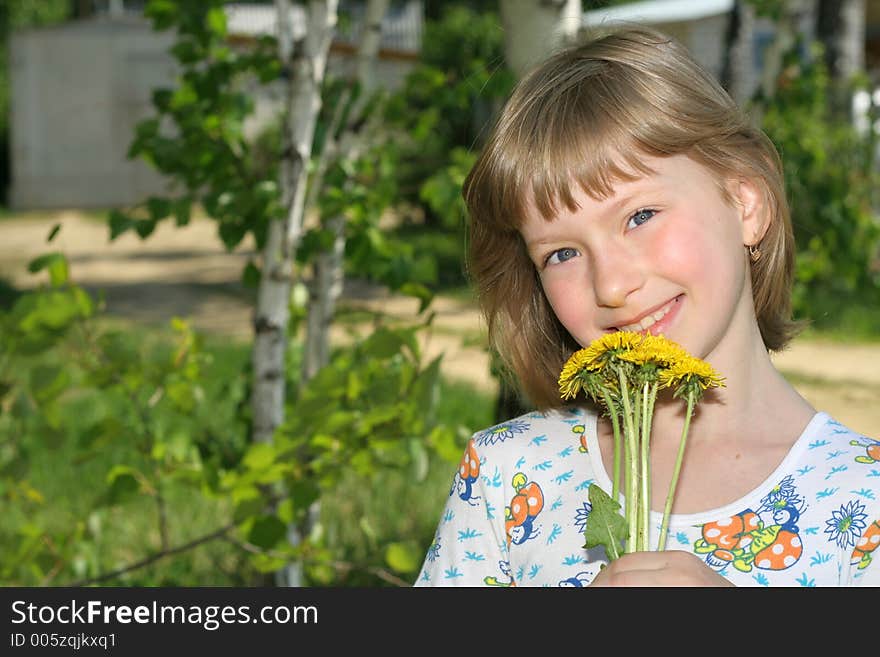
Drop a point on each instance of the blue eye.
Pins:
(561, 255)
(640, 217)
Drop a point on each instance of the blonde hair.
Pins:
(589, 114)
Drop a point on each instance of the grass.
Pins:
(854, 324)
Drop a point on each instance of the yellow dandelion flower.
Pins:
(578, 361)
(604, 348)
(569, 388)
(569, 384)
(637, 355)
(664, 352)
(616, 341)
(693, 370)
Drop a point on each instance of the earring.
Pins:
(754, 252)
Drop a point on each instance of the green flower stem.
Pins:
(639, 536)
(632, 484)
(615, 424)
(649, 395)
(664, 525)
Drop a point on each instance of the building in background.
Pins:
(702, 27)
(78, 90)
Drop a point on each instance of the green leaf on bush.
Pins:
(420, 292)
(48, 381)
(403, 557)
(260, 456)
(53, 233)
(384, 343)
(123, 484)
(119, 223)
(250, 277)
(267, 531)
(56, 265)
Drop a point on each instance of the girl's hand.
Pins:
(666, 568)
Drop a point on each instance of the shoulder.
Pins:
(550, 426)
(533, 440)
(839, 464)
(824, 431)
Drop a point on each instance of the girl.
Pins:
(623, 189)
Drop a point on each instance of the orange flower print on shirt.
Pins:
(863, 553)
(525, 505)
(768, 539)
(872, 450)
(725, 541)
(467, 475)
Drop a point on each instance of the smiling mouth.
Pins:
(650, 320)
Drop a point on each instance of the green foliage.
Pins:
(197, 137)
(446, 102)
(89, 392)
(117, 446)
(441, 192)
(831, 178)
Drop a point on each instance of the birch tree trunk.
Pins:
(329, 275)
(736, 71)
(840, 26)
(534, 28)
(304, 63)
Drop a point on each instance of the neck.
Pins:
(756, 401)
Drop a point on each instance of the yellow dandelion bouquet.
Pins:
(622, 373)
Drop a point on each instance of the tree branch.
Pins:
(157, 556)
(339, 566)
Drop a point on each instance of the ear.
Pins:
(749, 200)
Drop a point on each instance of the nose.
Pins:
(616, 273)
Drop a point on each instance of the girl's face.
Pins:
(662, 254)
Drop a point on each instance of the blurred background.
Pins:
(237, 342)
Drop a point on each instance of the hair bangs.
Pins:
(609, 147)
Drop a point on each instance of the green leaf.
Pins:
(419, 456)
(420, 292)
(48, 381)
(426, 388)
(119, 223)
(216, 21)
(159, 208)
(54, 232)
(267, 531)
(250, 277)
(247, 508)
(181, 209)
(384, 343)
(55, 263)
(403, 557)
(260, 456)
(123, 484)
(605, 525)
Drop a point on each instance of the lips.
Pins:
(654, 321)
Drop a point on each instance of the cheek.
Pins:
(698, 249)
(569, 304)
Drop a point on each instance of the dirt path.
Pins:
(184, 272)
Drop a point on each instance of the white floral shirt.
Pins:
(518, 507)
